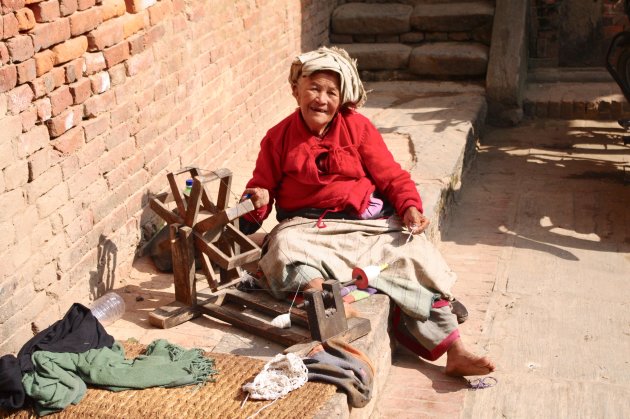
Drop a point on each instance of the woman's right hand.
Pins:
(259, 196)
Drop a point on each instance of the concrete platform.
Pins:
(432, 129)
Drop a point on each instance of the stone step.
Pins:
(371, 19)
(394, 19)
(452, 17)
(575, 100)
(449, 59)
(382, 61)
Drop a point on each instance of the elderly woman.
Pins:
(342, 202)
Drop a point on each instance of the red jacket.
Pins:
(338, 172)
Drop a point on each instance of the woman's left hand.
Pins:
(259, 196)
(415, 221)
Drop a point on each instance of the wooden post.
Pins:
(183, 251)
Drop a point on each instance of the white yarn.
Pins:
(282, 321)
(279, 376)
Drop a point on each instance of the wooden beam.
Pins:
(183, 263)
(264, 303)
(173, 314)
(162, 210)
(258, 327)
(194, 202)
(224, 217)
(179, 201)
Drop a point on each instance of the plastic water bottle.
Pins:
(108, 308)
(188, 188)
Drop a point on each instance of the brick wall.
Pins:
(573, 33)
(99, 99)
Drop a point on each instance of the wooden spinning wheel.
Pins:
(200, 226)
(209, 229)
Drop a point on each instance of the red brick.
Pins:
(135, 6)
(39, 162)
(116, 54)
(43, 85)
(47, 34)
(9, 26)
(98, 104)
(113, 8)
(62, 123)
(26, 71)
(137, 44)
(20, 48)
(133, 23)
(20, 99)
(85, 21)
(8, 78)
(25, 18)
(60, 100)
(69, 142)
(117, 74)
(44, 62)
(139, 63)
(69, 50)
(4, 52)
(11, 5)
(46, 11)
(100, 82)
(44, 110)
(106, 35)
(85, 4)
(159, 11)
(155, 33)
(29, 118)
(81, 90)
(74, 70)
(59, 76)
(68, 7)
(29, 142)
(94, 62)
(16, 175)
(95, 127)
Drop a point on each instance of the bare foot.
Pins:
(460, 362)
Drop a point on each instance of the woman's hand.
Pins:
(259, 196)
(415, 221)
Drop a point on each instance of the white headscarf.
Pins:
(332, 59)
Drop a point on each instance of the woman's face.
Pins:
(318, 97)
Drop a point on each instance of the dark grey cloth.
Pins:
(345, 367)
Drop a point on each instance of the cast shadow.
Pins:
(103, 278)
(556, 186)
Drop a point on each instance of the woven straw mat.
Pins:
(219, 399)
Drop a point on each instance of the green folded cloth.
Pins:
(60, 379)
